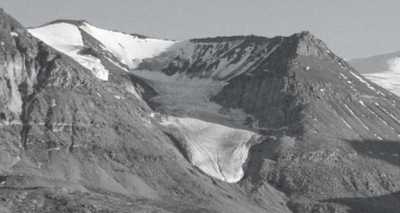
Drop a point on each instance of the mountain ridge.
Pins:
(247, 124)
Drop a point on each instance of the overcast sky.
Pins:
(352, 28)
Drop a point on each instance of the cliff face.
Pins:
(226, 124)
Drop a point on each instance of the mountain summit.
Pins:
(93, 120)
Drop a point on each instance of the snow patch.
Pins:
(131, 89)
(15, 101)
(67, 39)
(346, 123)
(356, 117)
(14, 34)
(388, 79)
(363, 81)
(217, 150)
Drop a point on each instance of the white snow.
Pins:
(67, 39)
(14, 34)
(131, 89)
(363, 81)
(129, 49)
(356, 117)
(343, 76)
(346, 123)
(362, 103)
(53, 103)
(15, 101)
(228, 70)
(217, 150)
(388, 113)
(389, 80)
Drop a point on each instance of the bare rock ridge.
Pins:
(93, 120)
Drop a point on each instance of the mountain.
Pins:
(382, 69)
(93, 120)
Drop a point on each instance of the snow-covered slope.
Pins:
(217, 150)
(383, 70)
(389, 80)
(67, 38)
(129, 49)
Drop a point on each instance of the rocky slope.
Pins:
(102, 121)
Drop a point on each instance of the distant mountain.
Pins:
(384, 70)
(93, 120)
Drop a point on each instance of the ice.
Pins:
(129, 49)
(67, 39)
(217, 150)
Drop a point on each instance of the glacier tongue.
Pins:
(217, 150)
(67, 39)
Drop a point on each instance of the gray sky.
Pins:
(352, 28)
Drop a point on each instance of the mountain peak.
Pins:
(309, 45)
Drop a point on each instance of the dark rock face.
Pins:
(70, 142)
(323, 105)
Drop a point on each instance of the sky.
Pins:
(351, 28)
